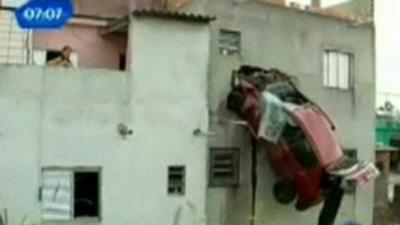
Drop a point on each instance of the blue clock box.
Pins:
(45, 14)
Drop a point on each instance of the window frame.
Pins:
(352, 67)
(183, 192)
(235, 180)
(72, 171)
(40, 57)
(222, 47)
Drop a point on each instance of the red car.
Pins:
(307, 158)
(303, 156)
(299, 169)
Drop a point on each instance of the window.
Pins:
(41, 58)
(224, 167)
(176, 180)
(56, 195)
(122, 62)
(337, 69)
(86, 194)
(70, 193)
(229, 42)
(50, 55)
(351, 153)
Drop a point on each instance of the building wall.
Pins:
(94, 50)
(179, 72)
(292, 41)
(68, 118)
(177, 77)
(116, 8)
(19, 143)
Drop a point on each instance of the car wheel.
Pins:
(284, 192)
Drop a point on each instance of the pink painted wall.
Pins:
(94, 51)
(114, 8)
(120, 8)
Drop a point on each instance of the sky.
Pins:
(387, 45)
(388, 51)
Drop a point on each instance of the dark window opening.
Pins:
(351, 153)
(50, 55)
(380, 166)
(224, 167)
(86, 194)
(176, 180)
(122, 62)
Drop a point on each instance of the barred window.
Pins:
(224, 167)
(229, 42)
(176, 180)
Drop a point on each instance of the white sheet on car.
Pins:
(273, 118)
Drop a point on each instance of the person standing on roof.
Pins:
(64, 59)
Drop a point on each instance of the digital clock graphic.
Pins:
(44, 14)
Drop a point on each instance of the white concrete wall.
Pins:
(68, 118)
(20, 93)
(167, 67)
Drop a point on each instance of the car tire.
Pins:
(284, 192)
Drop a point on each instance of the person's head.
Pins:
(66, 51)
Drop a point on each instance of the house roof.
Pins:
(174, 15)
(121, 25)
(116, 26)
